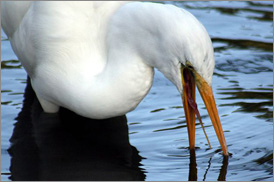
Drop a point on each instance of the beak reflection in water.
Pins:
(190, 78)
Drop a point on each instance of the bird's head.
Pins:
(188, 61)
(191, 78)
(192, 59)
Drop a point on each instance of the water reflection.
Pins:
(65, 146)
(263, 11)
(223, 171)
(10, 64)
(262, 107)
(193, 168)
(242, 44)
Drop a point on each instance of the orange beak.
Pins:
(189, 79)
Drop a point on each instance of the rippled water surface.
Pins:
(242, 35)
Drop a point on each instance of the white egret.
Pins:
(97, 58)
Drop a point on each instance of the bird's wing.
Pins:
(12, 13)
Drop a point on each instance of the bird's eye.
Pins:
(190, 67)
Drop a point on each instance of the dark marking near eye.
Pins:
(190, 67)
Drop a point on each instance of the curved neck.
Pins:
(128, 73)
(118, 89)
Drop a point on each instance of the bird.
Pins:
(97, 58)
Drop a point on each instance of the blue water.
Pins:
(242, 34)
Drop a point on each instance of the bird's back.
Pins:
(47, 29)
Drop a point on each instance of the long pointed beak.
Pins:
(188, 83)
(189, 79)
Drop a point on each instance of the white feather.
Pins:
(97, 58)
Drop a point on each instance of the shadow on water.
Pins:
(266, 15)
(10, 64)
(243, 44)
(193, 168)
(251, 107)
(66, 146)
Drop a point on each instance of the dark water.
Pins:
(153, 145)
